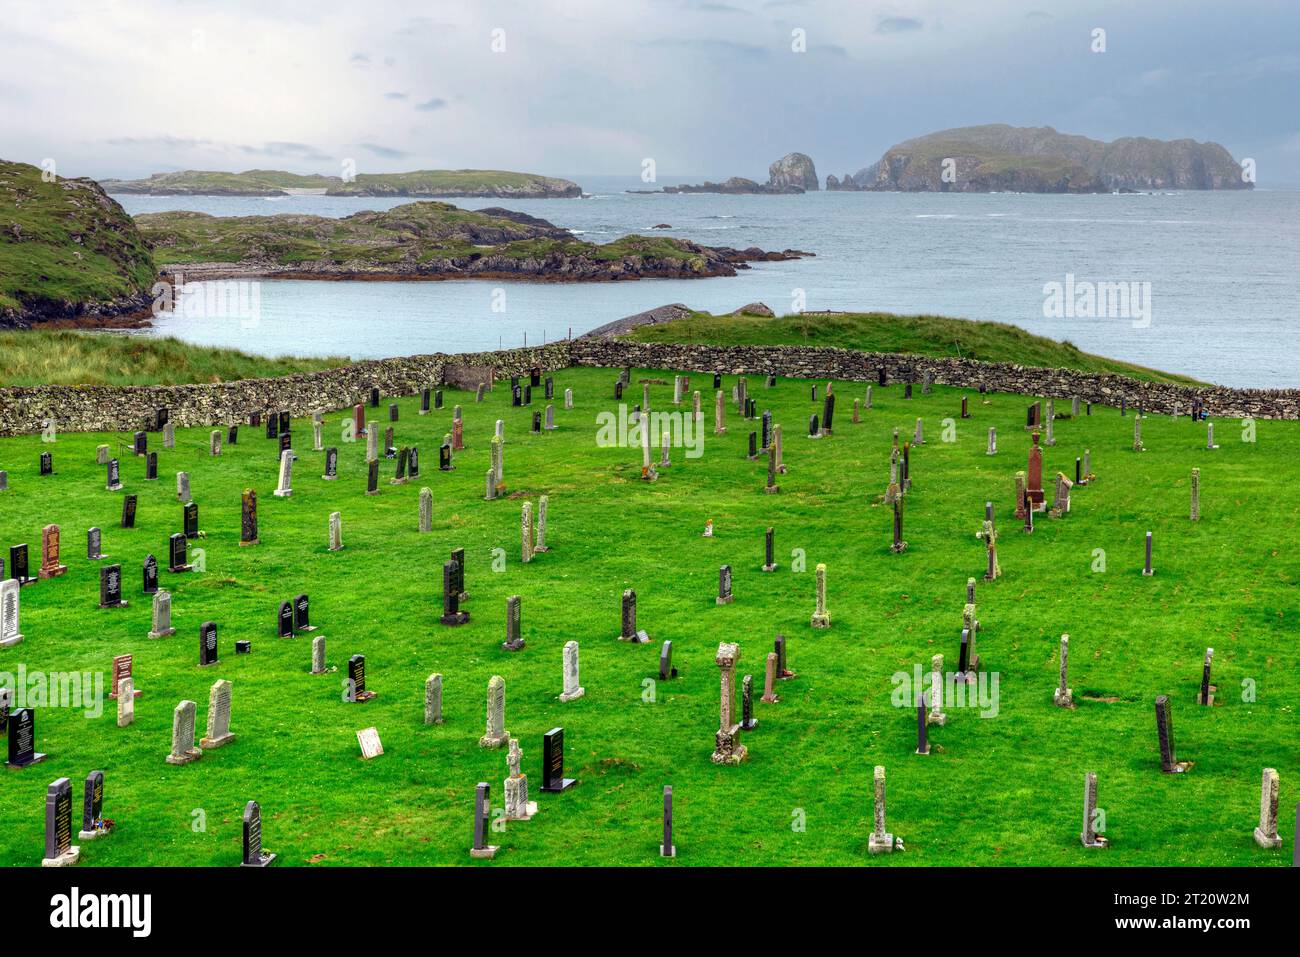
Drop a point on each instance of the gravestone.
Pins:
(284, 488)
(526, 532)
(514, 638)
(183, 487)
(372, 477)
(190, 520)
(357, 693)
(149, 573)
(782, 667)
(1063, 697)
(1169, 762)
(178, 554)
(110, 587)
(426, 510)
(59, 849)
(630, 632)
(18, 570)
(747, 720)
(128, 511)
(496, 734)
(540, 544)
(114, 483)
(1089, 836)
(232, 435)
(769, 553)
(214, 442)
(433, 699)
(318, 656)
(336, 531)
(253, 855)
(284, 620)
(667, 670)
(667, 848)
(218, 717)
(93, 824)
(248, 519)
(1147, 569)
(1034, 477)
(553, 779)
(821, 617)
(183, 749)
(162, 615)
(94, 545)
(771, 669)
(10, 613)
(1196, 495)
(51, 567)
(1205, 696)
(727, 747)
(140, 444)
(22, 739)
(880, 841)
(151, 467)
(922, 731)
(1266, 835)
(458, 556)
(208, 644)
(47, 464)
(572, 682)
(451, 613)
(482, 808)
(518, 807)
(331, 464)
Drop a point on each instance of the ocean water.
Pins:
(1214, 289)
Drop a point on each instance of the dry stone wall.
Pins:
(23, 410)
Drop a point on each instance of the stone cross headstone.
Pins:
(496, 734)
(518, 807)
(572, 687)
(183, 749)
(218, 717)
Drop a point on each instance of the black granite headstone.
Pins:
(92, 805)
(302, 614)
(208, 644)
(178, 554)
(110, 587)
(190, 519)
(151, 467)
(150, 575)
(254, 856)
(22, 739)
(58, 818)
(553, 779)
(128, 511)
(285, 620)
(47, 463)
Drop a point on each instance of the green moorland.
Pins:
(64, 243)
(936, 336)
(999, 789)
(408, 235)
(63, 357)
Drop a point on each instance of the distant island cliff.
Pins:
(435, 183)
(791, 174)
(1001, 158)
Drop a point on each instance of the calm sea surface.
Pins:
(1220, 270)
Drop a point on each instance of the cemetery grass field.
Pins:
(997, 790)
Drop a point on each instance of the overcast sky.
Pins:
(704, 87)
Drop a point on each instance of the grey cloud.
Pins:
(387, 152)
(898, 25)
(428, 106)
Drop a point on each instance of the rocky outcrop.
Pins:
(1039, 159)
(736, 185)
(755, 309)
(68, 252)
(793, 169)
(651, 317)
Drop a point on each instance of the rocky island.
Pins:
(68, 252)
(791, 174)
(423, 241)
(470, 183)
(1001, 158)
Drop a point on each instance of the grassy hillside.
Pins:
(1002, 785)
(66, 247)
(885, 332)
(40, 357)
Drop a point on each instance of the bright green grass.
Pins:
(937, 336)
(57, 357)
(1003, 790)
